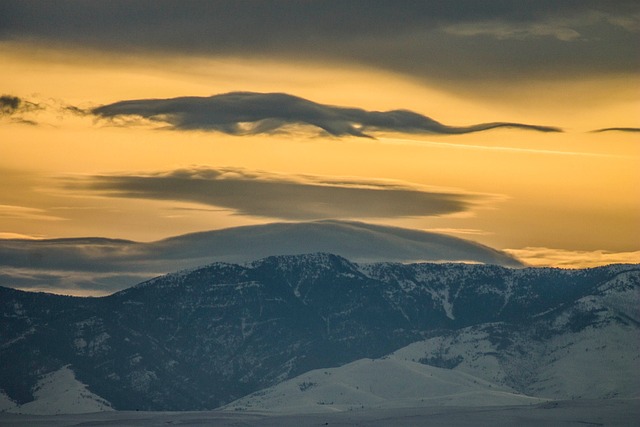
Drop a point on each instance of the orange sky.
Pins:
(570, 195)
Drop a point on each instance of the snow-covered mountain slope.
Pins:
(6, 403)
(103, 265)
(201, 338)
(588, 349)
(59, 392)
(379, 383)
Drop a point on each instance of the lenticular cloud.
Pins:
(246, 113)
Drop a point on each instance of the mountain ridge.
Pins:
(200, 338)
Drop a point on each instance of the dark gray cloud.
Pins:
(283, 196)
(9, 104)
(240, 113)
(106, 265)
(15, 108)
(617, 129)
(442, 39)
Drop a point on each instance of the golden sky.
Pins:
(566, 198)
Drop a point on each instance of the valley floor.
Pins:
(613, 412)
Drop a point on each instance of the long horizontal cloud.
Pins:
(446, 40)
(23, 212)
(283, 196)
(537, 257)
(617, 129)
(241, 113)
(98, 266)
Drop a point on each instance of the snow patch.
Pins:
(378, 383)
(59, 392)
(6, 403)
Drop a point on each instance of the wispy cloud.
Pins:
(503, 31)
(568, 27)
(463, 231)
(291, 197)
(541, 257)
(10, 235)
(419, 143)
(23, 212)
(18, 109)
(617, 129)
(244, 113)
(71, 282)
(15, 109)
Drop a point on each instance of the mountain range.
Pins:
(205, 337)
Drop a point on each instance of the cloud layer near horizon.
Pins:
(90, 266)
(242, 113)
(289, 197)
(564, 258)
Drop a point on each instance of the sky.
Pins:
(514, 124)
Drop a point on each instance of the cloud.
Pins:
(9, 104)
(15, 107)
(573, 25)
(10, 235)
(544, 257)
(23, 212)
(512, 31)
(446, 40)
(98, 266)
(70, 282)
(290, 197)
(242, 113)
(617, 129)
(463, 231)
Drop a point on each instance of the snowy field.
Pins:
(613, 412)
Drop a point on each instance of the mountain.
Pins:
(86, 265)
(587, 349)
(201, 338)
(553, 355)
